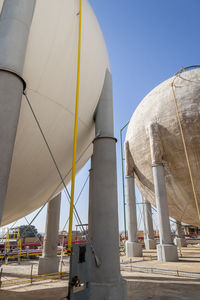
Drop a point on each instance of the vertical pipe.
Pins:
(123, 185)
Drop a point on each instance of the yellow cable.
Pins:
(75, 134)
(184, 144)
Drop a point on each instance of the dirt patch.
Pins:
(140, 283)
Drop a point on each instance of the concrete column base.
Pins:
(133, 249)
(150, 244)
(180, 242)
(48, 265)
(167, 252)
(111, 291)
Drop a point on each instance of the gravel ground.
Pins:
(141, 285)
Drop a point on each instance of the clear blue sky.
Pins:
(148, 41)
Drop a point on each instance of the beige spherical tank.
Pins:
(50, 74)
(158, 107)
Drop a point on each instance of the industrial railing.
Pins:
(161, 271)
(31, 279)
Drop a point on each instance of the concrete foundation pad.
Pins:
(133, 249)
(167, 252)
(48, 265)
(150, 244)
(180, 242)
(111, 291)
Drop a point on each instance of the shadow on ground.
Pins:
(145, 290)
(137, 289)
(50, 293)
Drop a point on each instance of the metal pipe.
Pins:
(123, 185)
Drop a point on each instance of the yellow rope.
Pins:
(75, 134)
(184, 144)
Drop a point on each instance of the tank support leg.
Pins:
(106, 281)
(15, 21)
(179, 240)
(133, 248)
(149, 241)
(166, 250)
(49, 262)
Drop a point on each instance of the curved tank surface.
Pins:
(159, 107)
(50, 73)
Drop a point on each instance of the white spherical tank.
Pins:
(158, 107)
(50, 74)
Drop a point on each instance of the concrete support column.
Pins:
(186, 230)
(133, 248)
(166, 250)
(179, 240)
(15, 22)
(49, 262)
(149, 241)
(106, 281)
